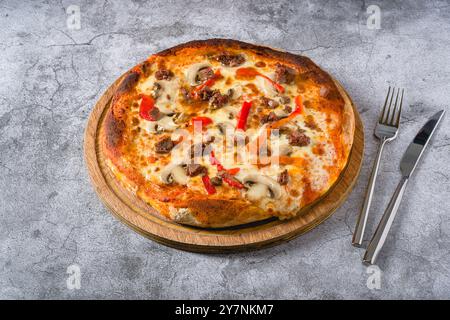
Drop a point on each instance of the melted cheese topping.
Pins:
(312, 168)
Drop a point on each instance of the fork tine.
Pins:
(394, 109)
(397, 122)
(388, 112)
(384, 107)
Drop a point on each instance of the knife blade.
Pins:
(415, 149)
(408, 163)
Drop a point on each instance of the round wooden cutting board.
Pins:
(145, 220)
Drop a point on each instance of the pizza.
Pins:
(218, 133)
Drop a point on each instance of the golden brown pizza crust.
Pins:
(348, 121)
(177, 203)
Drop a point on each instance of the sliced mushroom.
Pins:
(174, 173)
(149, 126)
(257, 192)
(261, 187)
(167, 123)
(191, 72)
(180, 117)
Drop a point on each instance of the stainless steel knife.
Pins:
(407, 166)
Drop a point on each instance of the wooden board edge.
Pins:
(89, 147)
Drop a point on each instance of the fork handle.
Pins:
(358, 235)
(385, 224)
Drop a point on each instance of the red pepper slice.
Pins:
(228, 179)
(147, 104)
(215, 162)
(232, 182)
(298, 105)
(207, 83)
(247, 73)
(233, 171)
(208, 185)
(298, 110)
(204, 120)
(243, 115)
(251, 72)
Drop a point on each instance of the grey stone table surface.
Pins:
(52, 73)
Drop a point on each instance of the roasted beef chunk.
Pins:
(186, 94)
(271, 117)
(230, 60)
(163, 74)
(205, 94)
(197, 150)
(268, 103)
(298, 138)
(285, 99)
(310, 123)
(287, 109)
(201, 149)
(218, 100)
(216, 181)
(283, 178)
(204, 74)
(210, 139)
(284, 74)
(154, 113)
(164, 145)
(193, 170)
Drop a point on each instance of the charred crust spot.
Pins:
(121, 101)
(114, 129)
(128, 83)
(230, 60)
(302, 64)
(146, 68)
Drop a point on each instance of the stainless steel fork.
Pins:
(386, 130)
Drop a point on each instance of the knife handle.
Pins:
(385, 224)
(358, 235)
